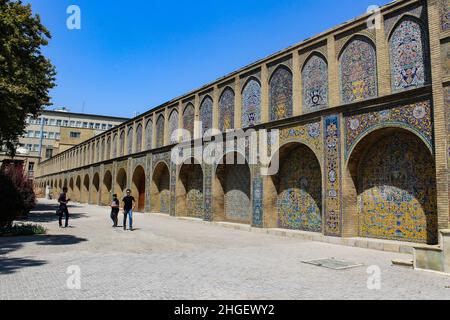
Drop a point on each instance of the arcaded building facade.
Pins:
(363, 117)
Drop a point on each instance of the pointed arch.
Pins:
(251, 103)
(173, 125)
(391, 192)
(280, 93)
(138, 138)
(315, 82)
(189, 119)
(408, 50)
(130, 136)
(206, 113)
(160, 131)
(149, 134)
(122, 143)
(226, 109)
(358, 70)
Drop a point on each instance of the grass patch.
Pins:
(18, 230)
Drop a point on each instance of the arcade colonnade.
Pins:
(364, 131)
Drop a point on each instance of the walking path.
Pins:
(167, 258)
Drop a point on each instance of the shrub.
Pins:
(22, 230)
(17, 196)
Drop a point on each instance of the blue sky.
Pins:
(131, 56)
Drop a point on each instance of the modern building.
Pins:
(363, 113)
(54, 132)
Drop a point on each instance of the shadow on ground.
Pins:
(44, 213)
(11, 244)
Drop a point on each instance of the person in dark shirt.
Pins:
(63, 211)
(115, 208)
(128, 207)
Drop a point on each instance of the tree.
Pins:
(26, 76)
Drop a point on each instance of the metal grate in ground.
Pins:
(334, 264)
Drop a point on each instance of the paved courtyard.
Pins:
(168, 258)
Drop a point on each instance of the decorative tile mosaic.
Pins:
(207, 187)
(445, 56)
(408, 53)
(173, 126)
(258, 197)
(391, 21)
(139, 138)
(122, 144)
(189, 119)
(237, 193)
(194, 192)
(280, 94)
(149, 134)
(160, 131)
(447, 104)
(206, 114)
(397, 191)
(251, 104)
(173, 188)
(444, 6)
(226, 110)
(358, 70)
(299, 200)
(333, 187)
(309, 134)
(130, 141)
(416, 117)
(315, 84)
(108, 149)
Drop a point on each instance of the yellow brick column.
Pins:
(297, 85)
(440, 120)
(237, 103)
(264, 94)
(333, 73)
(384, 75)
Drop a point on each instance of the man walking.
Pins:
(128, 207)
(63, 201)
(115, 208)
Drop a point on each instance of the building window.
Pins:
(65, 123)
(30, 134)
(75, 135)
(104, 126)
(52, 122)
(85, 125)
(51, 135)
(59, 123)
(31, 166)
(57, 136)
(45, 135)
(110, 126)
(36, 148)
(48, 153)
(97, 126)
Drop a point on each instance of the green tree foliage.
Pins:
(26, 76)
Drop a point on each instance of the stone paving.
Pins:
(168, 258)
